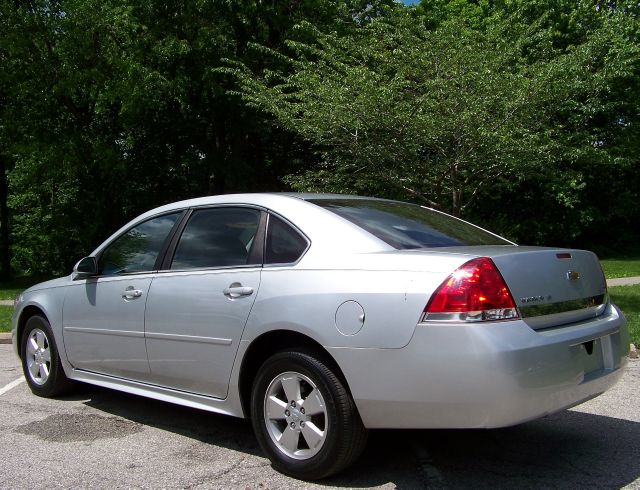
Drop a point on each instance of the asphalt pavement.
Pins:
(97, 438)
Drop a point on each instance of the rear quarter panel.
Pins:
(306, 300)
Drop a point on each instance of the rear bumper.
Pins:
(482, 376)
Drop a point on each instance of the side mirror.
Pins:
(87, 267)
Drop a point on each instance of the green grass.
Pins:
(621, 267)
(5, 318)
(10, 293)
(628, 300)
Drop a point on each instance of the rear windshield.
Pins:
(407, 226)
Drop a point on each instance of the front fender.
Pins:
(47, 302)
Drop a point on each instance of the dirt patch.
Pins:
(78, 427)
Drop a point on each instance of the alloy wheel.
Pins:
(38, 354)
(295, 415)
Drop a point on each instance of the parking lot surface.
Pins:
(98, 438)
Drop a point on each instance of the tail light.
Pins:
(475, 292)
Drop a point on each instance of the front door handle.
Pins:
(131, 293)
(236, 290)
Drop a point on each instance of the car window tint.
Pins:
(137, 249)
(406, 226)
(284, 244)
(217, 237)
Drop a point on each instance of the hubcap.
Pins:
(38, 356)
(295, 415)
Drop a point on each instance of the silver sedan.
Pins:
(323, 316)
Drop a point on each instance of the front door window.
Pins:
(137, 250)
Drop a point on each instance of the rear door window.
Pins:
(218, 237)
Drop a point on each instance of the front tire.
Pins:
(304, 417)
(40, 360)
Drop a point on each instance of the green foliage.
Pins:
(457, 116)
(516, 114)
(472, 14)
(113, 108)
(590, 182)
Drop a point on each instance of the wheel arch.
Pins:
(269, 343)
(26, 313)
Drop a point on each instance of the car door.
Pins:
(103, 316)
(197, 308)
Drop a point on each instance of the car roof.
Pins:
(312, 196)
(320, 225)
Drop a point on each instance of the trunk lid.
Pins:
(551, 286)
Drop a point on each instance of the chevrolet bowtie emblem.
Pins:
(573, 275)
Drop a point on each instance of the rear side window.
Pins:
(408, 226)
(217, 237)
(284, 244)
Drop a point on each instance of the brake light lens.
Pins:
(475, 292)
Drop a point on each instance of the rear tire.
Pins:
(304, 417)
(40, 360)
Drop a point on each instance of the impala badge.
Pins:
(532, 299)
(573, 275)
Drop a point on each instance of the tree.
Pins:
(116, 107)
(442, 115)
(108, 108)
(5, 257)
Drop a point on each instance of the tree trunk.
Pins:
(456, 189)
(5, 259)
(217, 144)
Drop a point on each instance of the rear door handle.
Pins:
(131, 293)
(236, 290)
